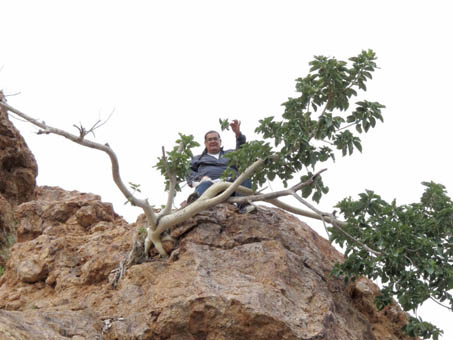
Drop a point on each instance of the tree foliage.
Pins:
(314, 124)
(413, 253)
(177, 161)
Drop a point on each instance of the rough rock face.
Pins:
(231, 276)
(18, 168)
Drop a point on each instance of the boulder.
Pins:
(230, 276)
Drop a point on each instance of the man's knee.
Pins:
(203, 186)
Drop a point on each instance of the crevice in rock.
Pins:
(321, 276)
(234, 245)
(251, 240)
(321, 336)
(186, 231)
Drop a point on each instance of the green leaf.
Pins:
(224, 124)
(306, 191)
(357, 144)
(317, 196)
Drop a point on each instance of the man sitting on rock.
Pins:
(207, 168)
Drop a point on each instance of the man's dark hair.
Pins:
(211, 131)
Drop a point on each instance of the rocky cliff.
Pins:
(258, 276)
(18, 170)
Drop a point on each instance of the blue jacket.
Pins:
(206, 165)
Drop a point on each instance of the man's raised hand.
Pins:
(236, 127)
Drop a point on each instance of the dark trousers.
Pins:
(203, 186)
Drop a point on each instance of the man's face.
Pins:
(213, 143)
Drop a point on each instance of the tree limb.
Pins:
(83, 132)
(172, 185)
(327, 104)
(272, 198)
(207, 200)
(319, 215)
(348, 126)
(101, 123)
(331, 219)
(90, 144)
(441, 304)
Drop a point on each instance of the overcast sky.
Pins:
(164, 67)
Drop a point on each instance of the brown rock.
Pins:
(86, 216)
(55, 210)
(7, 220)
(56, 325)
(256, 276)
(31, 271)
(18, 168)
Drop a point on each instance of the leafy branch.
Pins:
(414, 263)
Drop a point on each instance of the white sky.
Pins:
(178, 66)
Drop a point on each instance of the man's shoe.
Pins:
(193, 197)
(248, 208)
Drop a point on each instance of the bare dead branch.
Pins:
(90, 144)
(20, 120)
(43, 132)
(83, 132)
(12, 94)
(100, 122)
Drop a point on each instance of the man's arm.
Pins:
(240, 138)
(193, 174)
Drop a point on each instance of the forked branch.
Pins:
(209, 199)
(47, 129)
